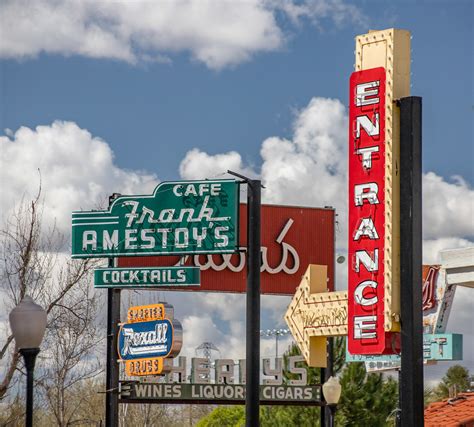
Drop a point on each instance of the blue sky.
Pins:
(151, 114)
(107, 97)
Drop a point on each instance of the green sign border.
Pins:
(192, 277)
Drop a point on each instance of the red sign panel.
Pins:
(367, 211)
(292, 237)
(430, 275)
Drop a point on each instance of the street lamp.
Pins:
(277, 333)
(332, 393)
(28, 324)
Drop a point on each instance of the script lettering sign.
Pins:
(180, 217)
(146, 339)
(292, 238)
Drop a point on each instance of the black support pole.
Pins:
(252, 398)
(322, 413)
(112, 367)
(29, 356)
(411, 390)
(112, 373)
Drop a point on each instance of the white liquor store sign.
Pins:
(182, 217)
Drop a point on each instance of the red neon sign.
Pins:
(367, 214)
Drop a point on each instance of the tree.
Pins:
(366, 399)
(70, 354)
(456, 380)
(224, 416)
(31, 263)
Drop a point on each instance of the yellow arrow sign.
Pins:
(315, 314)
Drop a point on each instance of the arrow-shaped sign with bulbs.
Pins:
(315, 314)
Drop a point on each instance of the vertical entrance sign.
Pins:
(382, 75)
(367, 212)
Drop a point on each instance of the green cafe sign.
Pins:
(181, 217)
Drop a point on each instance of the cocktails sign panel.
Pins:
(292, 238)
(181, 217)
(144, 277)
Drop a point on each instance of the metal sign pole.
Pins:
(411, 389)
(112, 367)
(112, 373)
(252, 398)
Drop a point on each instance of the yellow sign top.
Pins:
(146, 313)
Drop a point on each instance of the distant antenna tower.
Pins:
(206, 349)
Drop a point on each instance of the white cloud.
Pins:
(77, 171)
(216, 33)
(311, 168)
(199, 329)
(200, 165)
(448, 207)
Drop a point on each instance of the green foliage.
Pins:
(367, 399)
(429, 395)
(270, 416)
(224, 416)
(457, 377)
(282, 416)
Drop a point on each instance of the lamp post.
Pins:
(28, 324)
(332, 393)
(277, 333)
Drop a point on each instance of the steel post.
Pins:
(252, 398)
(411, 389)
(112, 373)
(29, 356)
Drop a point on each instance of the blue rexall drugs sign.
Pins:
(149, 339)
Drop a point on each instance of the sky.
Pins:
(104, 97)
